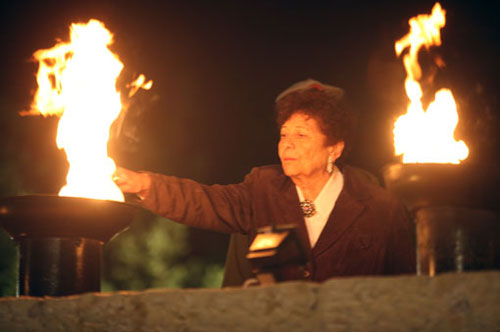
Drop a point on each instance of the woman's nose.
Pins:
(287, 142)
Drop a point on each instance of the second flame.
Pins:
(426, 136)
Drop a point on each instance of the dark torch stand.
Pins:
(456, 239)
(59, 266)
(61, 240)
(455, 209)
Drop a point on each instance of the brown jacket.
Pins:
(368, 232)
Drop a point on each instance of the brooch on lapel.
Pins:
(308, 208)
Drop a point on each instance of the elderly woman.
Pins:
(351, 226)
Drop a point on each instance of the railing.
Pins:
(448, 302)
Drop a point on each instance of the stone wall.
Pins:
(448, 302)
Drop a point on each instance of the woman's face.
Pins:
(302, 147)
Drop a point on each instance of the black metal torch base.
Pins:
(456, 212)
(59, 266)
(61, 240)
(456, 239)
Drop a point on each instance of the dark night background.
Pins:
(217, 67)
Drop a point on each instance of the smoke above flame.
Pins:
(426, 136)
(77, 82)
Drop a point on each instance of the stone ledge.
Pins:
(448, 302)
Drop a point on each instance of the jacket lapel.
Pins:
(347, 210)
(344, 214)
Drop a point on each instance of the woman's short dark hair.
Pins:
(331, 111)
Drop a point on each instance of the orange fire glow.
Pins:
(426, 136)
(139, 83)
(77, 82)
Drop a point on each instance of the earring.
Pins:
(329, 165)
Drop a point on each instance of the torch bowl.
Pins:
(58, 216)
(424, 185)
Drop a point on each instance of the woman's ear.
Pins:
(336, 150)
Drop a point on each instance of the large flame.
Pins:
(77, 81)
(426, 136)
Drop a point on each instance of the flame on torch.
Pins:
(426, 136)
(139, 83)
(77, 82)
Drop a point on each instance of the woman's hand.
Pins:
(132, 182)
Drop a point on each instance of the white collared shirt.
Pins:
(324, 204)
